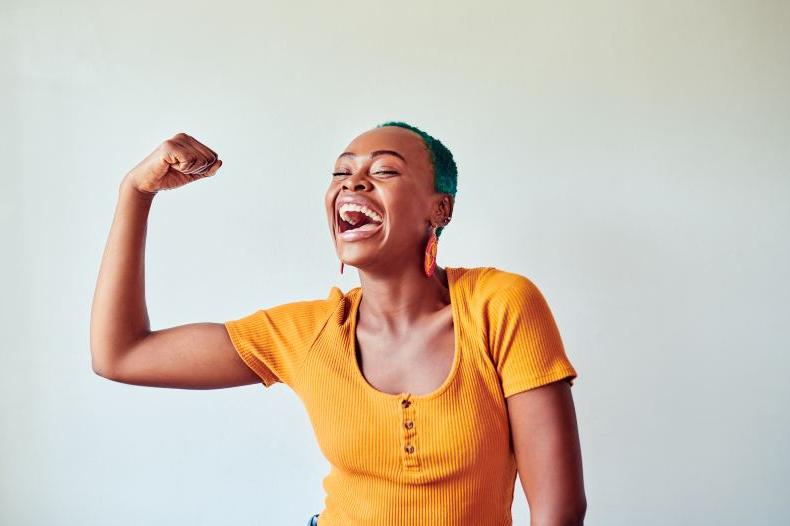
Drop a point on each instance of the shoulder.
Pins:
(499, 281)
(491, 285)
(333, 298)
(331, 301)
(302, 312)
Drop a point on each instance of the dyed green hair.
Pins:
(445, 173)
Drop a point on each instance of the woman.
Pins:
(428, 388)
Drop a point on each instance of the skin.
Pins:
(548, 454)
(123, 346)
(401, 308)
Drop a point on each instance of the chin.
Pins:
(358, 257)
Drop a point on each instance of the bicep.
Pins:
(191, 356)
(548, 453)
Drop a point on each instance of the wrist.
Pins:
(128, 188)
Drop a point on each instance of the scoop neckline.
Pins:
(451, 285)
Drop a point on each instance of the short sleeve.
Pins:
(523, 338)
(274, 342)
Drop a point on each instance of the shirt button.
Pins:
(408, 424)
(405, 403)
(409, 448)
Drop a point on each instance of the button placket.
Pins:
(408, 434)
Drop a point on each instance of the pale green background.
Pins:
(630, 157)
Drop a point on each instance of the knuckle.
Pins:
(169, 144)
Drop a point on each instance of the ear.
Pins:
(443, 207)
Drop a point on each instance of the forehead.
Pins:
(406, 142)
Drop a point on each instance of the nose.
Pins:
(356, 182)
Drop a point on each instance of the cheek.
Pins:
(329, 205)
(412, 208)
(407, 221)
(330, 217)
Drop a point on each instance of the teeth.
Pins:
(351, 207)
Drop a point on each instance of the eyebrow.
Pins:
(374, 154)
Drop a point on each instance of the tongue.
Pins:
(361, 221)
(358, 218)
(366, 227)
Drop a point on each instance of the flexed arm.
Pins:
(123, 347)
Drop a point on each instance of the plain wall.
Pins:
(629, 157)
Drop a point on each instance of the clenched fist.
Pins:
(176, 162)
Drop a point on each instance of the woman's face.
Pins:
(388, 171)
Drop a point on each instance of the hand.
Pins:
(176, 162)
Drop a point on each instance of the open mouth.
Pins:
(357, 218)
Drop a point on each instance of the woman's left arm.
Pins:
(548, 454)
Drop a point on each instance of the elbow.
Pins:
(109, 354)
(101, 367)
(99, 355)
(100, 370)
(570, 515)
(578, 518)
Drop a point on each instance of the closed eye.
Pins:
(379, 172)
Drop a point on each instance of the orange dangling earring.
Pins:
(430, 253)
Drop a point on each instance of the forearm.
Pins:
(119, 315)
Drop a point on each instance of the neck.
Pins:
(393, 301)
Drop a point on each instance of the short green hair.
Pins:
(445, 172)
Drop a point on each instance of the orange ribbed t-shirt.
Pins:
(443, 458)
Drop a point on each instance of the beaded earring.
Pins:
(430, 253)
(429, 265)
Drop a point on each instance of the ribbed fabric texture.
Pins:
(442, 458)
